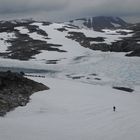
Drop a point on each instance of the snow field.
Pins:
(72, 110)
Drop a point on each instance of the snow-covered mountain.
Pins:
(99, 23)
(84, 84)
(67, 51)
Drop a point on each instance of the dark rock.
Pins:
(96, 39)
(124, 89)
(102, 22)
(46, 23)
(23, 47)
(77, 77)
(134, 53)
(52, 61)
(22, 73)
(62, 29)
(97, 79)
(124, 45)
(34, 28)
(128, 44)
(15, 91)
(8, 26)
(88, 78)
(93, 74)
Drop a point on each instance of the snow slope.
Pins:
(108, 65)
(109, 35)
(71, 47)
(74, 111)
(112, 68)
(79, 109)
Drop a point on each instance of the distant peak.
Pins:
(99, 22)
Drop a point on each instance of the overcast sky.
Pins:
(57, 10)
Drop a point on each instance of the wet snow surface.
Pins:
(79, 104)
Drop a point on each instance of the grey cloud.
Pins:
(25, 6)
(68, 9)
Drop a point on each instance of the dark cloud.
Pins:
(27, 6)
(68, 9)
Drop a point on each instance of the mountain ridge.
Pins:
(100, 22)
(27, 38)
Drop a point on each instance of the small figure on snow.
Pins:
(114, 108)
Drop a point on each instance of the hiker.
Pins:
(114, 108)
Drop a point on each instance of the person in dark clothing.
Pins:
(114, 108)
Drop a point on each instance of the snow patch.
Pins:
(22, 30)
(116, 25)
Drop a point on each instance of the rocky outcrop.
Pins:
(62, 29)
(23, 47)
(8, 26)
(129, 44)
(134, 53)
(15, 90)
(124, 89)
(125, 45)
(82, 39)
(100, 22)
